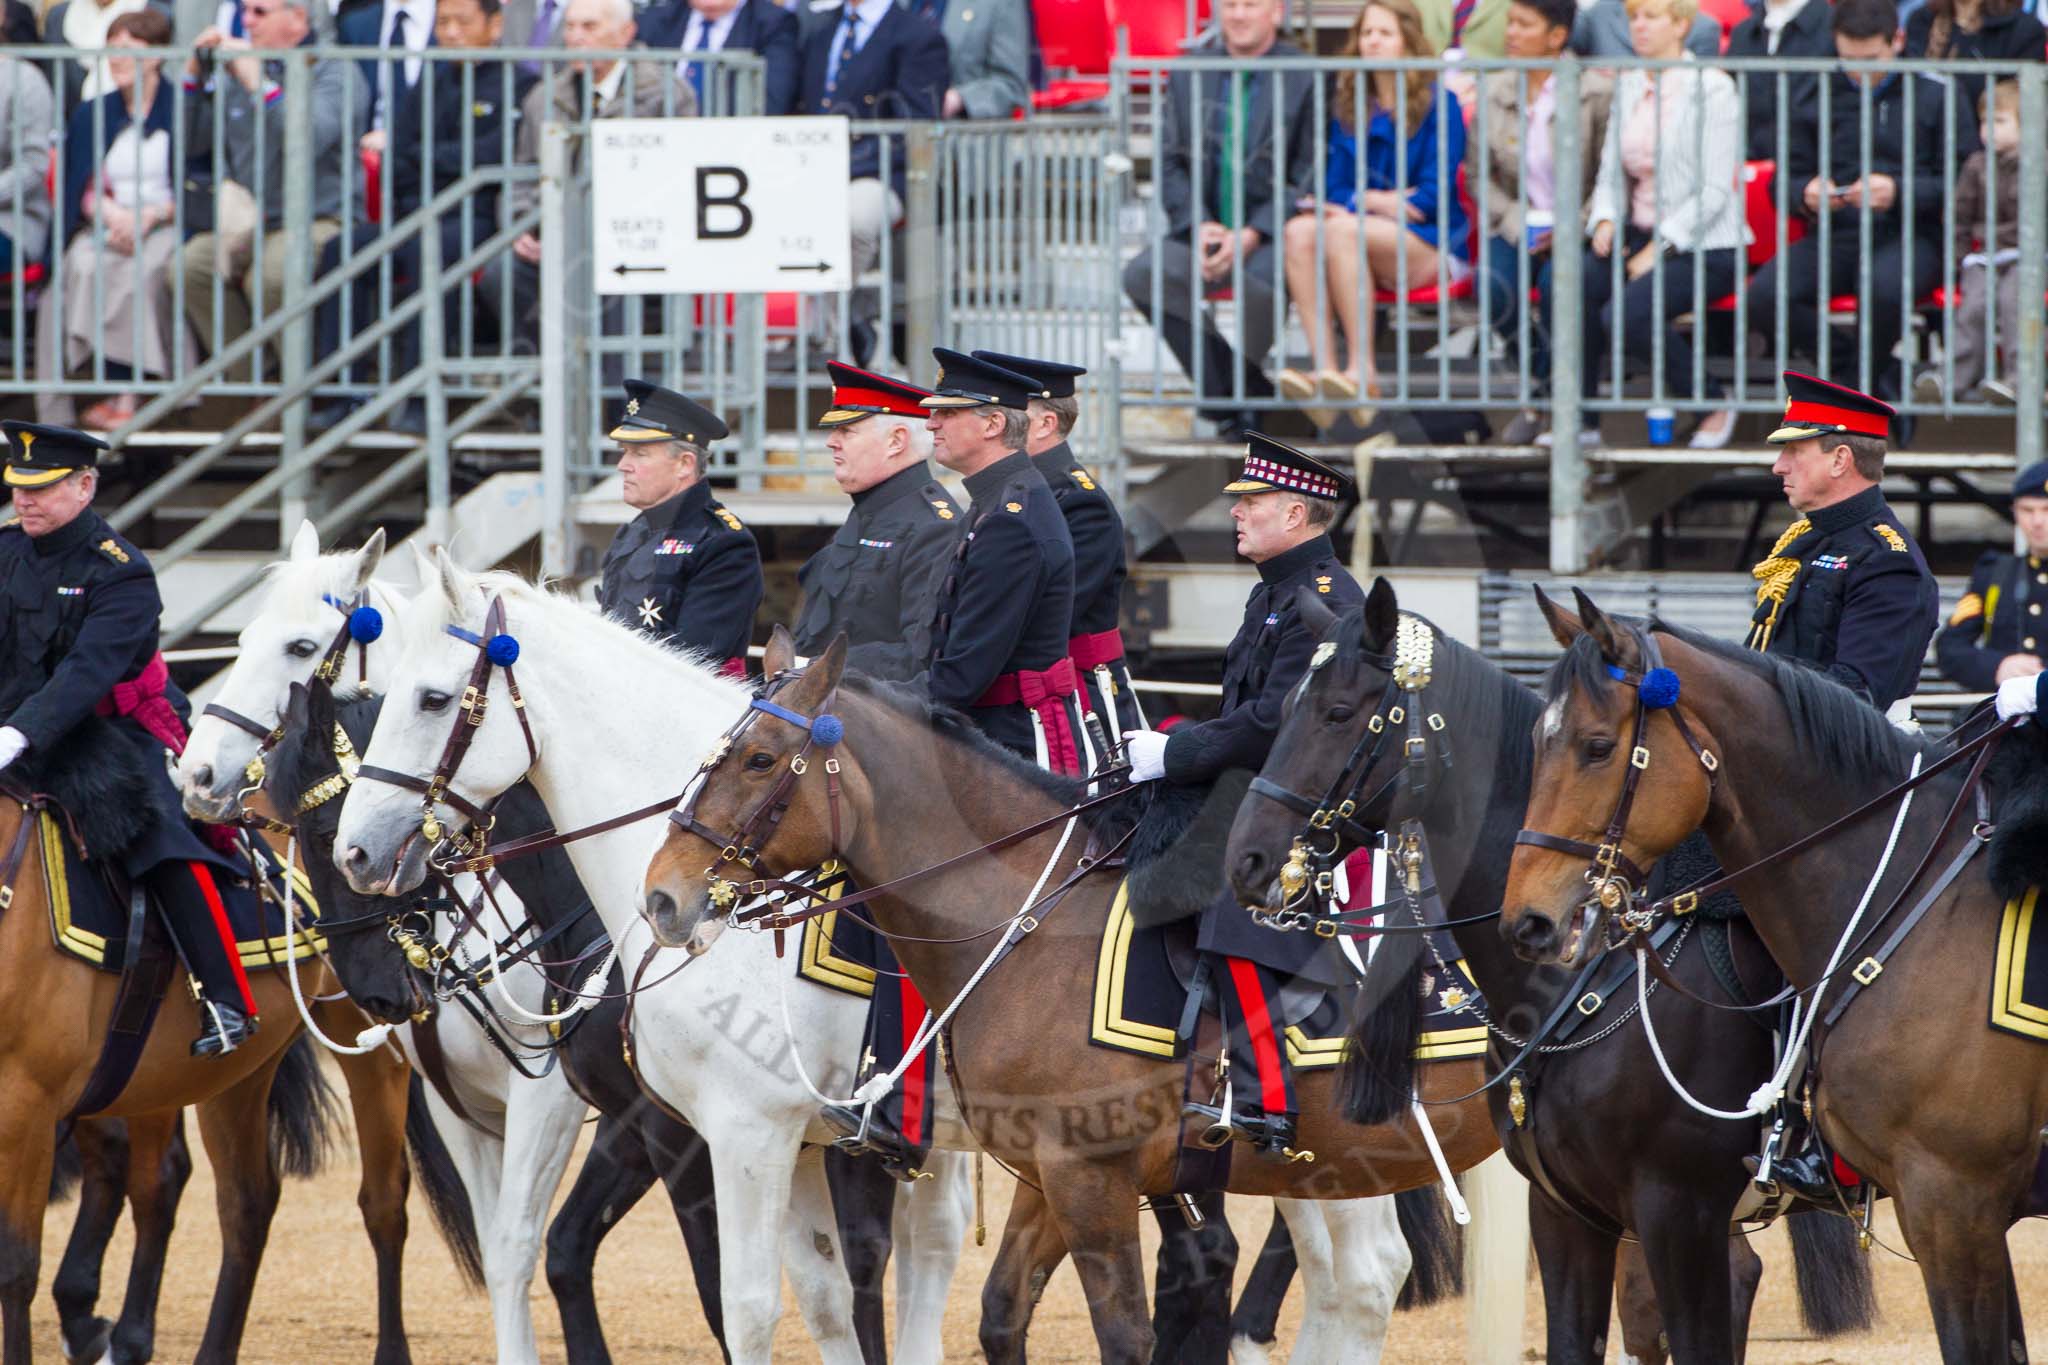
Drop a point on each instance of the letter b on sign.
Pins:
(721, 203)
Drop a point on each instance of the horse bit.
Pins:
(1312, 860)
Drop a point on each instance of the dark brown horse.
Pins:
(1089, 1131)
(54, 1012)
(1909, 1085)
(1606, 1156)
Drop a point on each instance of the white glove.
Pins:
(1147, 751)
(12, 744)
(2016, 697)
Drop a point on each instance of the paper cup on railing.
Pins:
(1661, 420)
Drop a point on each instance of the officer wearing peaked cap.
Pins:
(999, 653)
(78, 637)
(685, 570)
(1845, 588)
(877, 580)
(1096, 642)
(1999, 631)
(1287, 501)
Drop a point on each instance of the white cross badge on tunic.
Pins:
(650, 612)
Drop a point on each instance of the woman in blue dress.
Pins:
(1395, 191)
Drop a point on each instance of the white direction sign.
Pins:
(724, 205)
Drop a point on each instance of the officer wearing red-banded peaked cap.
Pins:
(1814, 407)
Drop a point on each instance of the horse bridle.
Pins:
(1617, 883)
(742, 847)
(1333, 818)
(495, 649)
(360, 624)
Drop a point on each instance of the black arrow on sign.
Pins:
(624, 269)
(819, 266)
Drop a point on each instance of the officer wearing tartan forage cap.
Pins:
(1287, 500)
(998, 653)
(686, 570)
(1097, 644)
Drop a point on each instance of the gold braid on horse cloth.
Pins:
(1774, 575)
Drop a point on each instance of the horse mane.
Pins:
(952, 724)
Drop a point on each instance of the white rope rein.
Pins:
(879, 1086)
(1804, 1011)
(370, 1039)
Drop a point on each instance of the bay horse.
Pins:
(616, 719)
(1617, 1159)
(901, 789)
(1909, 1085)
(54, 1014)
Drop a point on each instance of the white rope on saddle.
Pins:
(879, 1086)
(1804, 1010)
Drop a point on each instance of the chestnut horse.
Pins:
(54, 1014)
(1677, 1186)
(1090, 1132)
(1909, 1084)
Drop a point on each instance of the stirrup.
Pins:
(223, 1029)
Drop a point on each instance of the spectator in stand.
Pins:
(429, 151)
(118, 173)
(871, 59)
(1975, 31)
(26, 116)
(1778, 28)
(1667, 191)
(574, 90)
(988, 50)
(1223, 218)
(252, 90)
(1516, 164)
(1407, 208)
(1829, 181)
(399, 30)
(758, 26)
(534, 23)
(1987, 245)
(1604, 27)
(86, 24)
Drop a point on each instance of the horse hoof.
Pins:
(89, 1342)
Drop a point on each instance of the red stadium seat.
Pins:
(1158, 28)
(1760, 211)
(782, 311)
(1076, 40)
(1728, 13)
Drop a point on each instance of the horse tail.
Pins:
(1496, 1260)
(1437, 1245)
(447, 1197)
(305, 1116)
(1835, 1290)
(1377, 1081)
(68, 1170)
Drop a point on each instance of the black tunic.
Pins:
(1007, 600)
(79, 609)
(1269, 655)
(1862, 603)
(1097, 530)
(2001, 614)
(687, 572)
(878, 578)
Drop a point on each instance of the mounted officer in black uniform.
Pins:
(1286, 503)
(878, 578)
(999, 654)
(685, 570)
(1096, 643)
(1845, 590)
(1997, 631)
(81, 611)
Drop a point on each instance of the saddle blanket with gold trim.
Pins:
(89, 921)
(2019, 973)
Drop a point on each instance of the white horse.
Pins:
(512, 1158)
(618, 720)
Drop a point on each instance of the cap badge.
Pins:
(28, 438)
(632, 406)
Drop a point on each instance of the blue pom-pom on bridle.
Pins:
(1658, 689)
(365, 624)
(502, 650)
(827, 730)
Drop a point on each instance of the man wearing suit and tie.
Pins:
(870, 59)
(398, 27)
(758, 26)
